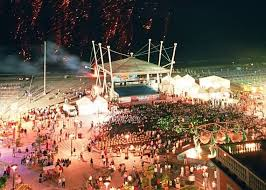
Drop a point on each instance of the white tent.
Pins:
(167, 80)
(189, 79)
(177, 77)
(167, 88)
(193, 90)
(184, 85)
(101, 105)
(203, 96)
(167, 85)
(214, 82)
(85, 106)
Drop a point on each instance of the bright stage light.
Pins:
(193, 153)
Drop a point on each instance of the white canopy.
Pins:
(83, 100)
(67, 107)
(168, 80)
(193, 90)
(189, 79)
(85, 106)
(167, 88)
(177, 77)
(203, 96)
(214, 82)
(185, 85)
(167, 85)
(101, 105)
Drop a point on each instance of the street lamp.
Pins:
(127, 137)
(14, 168)
(71, 143)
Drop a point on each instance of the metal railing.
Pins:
(242, 172)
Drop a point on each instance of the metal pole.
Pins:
(30, 85)
(13, 180)
(14, 137)
(158, 78)
(96, 63)
(71, 146)
(104, 75)
(149, 50)
(44, 69)
(171, 68)
(173, 58)
(76, 130)
(160, 53)
(111, 71)
(19, 127)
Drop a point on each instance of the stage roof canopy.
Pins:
(132, 65)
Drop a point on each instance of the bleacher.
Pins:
(9, 90)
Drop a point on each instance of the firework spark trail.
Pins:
(36, 7)
(68, 22)
(116, 20)
(23, 29)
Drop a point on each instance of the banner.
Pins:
(124, 77)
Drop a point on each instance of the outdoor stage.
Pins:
(136, 93)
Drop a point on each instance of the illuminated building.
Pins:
(241, 166)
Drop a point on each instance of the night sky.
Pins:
(225, 29)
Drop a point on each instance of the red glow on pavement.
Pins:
(90, 75)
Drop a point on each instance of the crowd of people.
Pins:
(136, 131)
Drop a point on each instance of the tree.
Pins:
(227, 138)
(244, 135)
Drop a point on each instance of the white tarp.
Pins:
(214, 82)
(85, 106)
(101, 105)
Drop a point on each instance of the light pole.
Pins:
(127, 137)
(14, 134)
(71, 143)
(14, 168)
(44, 69)
(76, 122)
(19, 126)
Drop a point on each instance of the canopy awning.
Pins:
(134, 66)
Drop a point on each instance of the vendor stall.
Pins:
(85, 106)
(214, 82)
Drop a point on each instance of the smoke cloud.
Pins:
(61, 58)
(13, 64)
(58, 60)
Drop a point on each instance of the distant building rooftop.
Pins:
(250, 154)
(246, 161)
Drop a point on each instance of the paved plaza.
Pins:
(79, 171)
